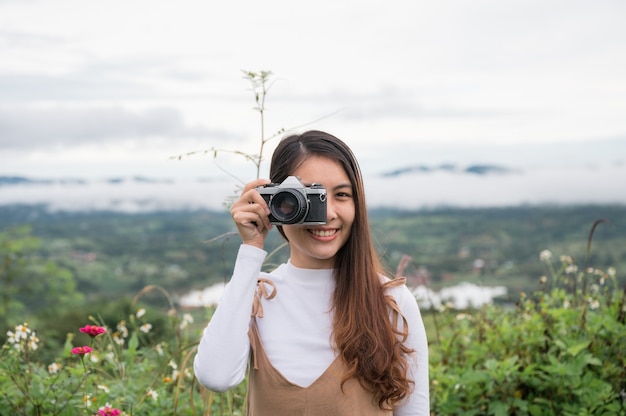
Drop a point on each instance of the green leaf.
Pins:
(67, 347)
(498, 408)
(574, 350)
(593, 361)
(133, 343)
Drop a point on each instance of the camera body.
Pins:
(290, 202)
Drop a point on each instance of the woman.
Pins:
(329, 334)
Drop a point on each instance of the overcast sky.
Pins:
(111, 88)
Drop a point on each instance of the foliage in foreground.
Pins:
(557, 351)
(121, 370)
(560, 351)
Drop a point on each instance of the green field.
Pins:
(113, 254)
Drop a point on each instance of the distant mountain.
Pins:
(446, 167)
(452, 168)
(22, 180)
(138, 179)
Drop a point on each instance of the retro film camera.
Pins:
(293, 203)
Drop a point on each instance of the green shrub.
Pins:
(560, 351)
(122, 370)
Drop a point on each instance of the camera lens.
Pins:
(288, 207)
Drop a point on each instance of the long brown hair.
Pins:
(369, 343)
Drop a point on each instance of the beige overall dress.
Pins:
(270, 394)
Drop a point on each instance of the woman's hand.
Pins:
(251, 214)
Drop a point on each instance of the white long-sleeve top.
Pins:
(295, 329)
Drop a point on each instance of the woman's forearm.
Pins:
(224, 348)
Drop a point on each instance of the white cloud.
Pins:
(398, 79)
(60, 127)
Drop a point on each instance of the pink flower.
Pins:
(93, 330)
(108, 411)
(81, 350)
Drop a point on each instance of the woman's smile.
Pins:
(323, 233)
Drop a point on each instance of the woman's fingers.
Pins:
(253, 185)
(251, 214)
